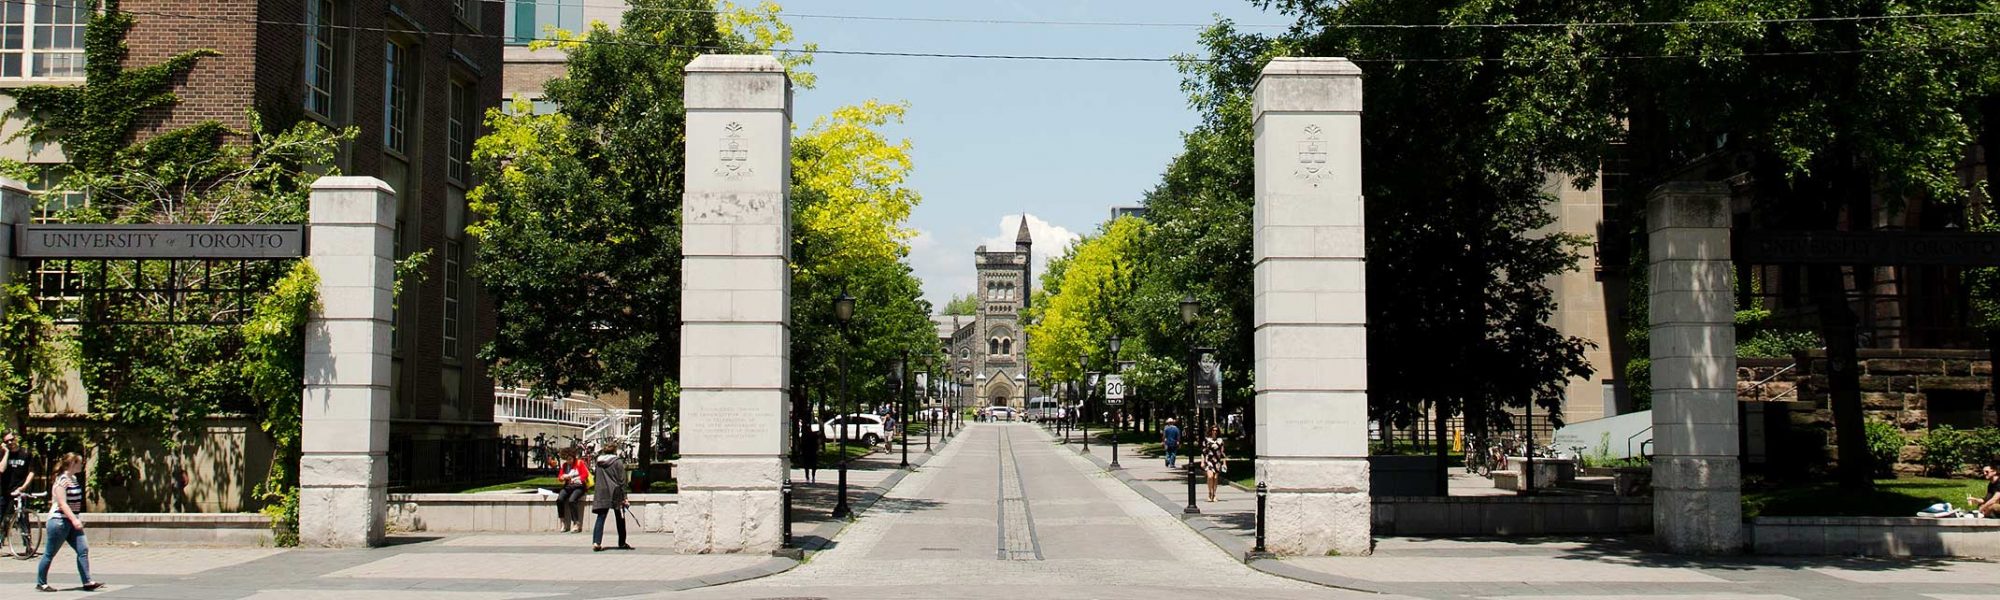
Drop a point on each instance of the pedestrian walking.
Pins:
(1213, 459)
(17, 475)
(574, 473)
(65, 527)
(610, 498)
(1170, 438)
(809, 456)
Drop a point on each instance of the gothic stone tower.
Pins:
(1000, 348)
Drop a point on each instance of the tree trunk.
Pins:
(1843, 377)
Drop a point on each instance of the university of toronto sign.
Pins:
(68, 241)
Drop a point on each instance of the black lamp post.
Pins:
(1189, 310)
(931, 396)
(896, 376)
(843, 310)
(1113, 344)
(1083, 390)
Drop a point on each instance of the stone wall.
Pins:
(1511, 516)
(1875, 536)
(1915, 389)
(516, 512)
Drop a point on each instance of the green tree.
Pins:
(1083, 294)
(962, 305)
(579, 235)
(850, 201)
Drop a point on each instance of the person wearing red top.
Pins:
(574, 473)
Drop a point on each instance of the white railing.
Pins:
(583, 412)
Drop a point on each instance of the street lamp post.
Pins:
(1083, 389)
(896, 376)
(1189, 310)
(1113, 344)
(843, 310)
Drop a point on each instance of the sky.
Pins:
(1059, 141)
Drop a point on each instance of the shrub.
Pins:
(1885, 442)
(1947, 449)
(1984, 446)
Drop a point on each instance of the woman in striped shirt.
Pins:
(64, 526)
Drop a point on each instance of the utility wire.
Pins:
(1190, 25)
(1068, 58)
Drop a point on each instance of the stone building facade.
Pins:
(414, 78)
(989, 352)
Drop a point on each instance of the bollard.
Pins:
(1191, 508)
(786, 542)
(1262, 491)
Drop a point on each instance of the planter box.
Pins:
(1512, 516)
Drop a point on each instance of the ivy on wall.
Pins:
(168, 380)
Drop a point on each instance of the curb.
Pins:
(1229, 543)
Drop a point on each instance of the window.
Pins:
(319, 57)
(458, 134)
(531, 19)
(42, 39)
(454, 260)
(395, 95)
(468, 11)
(55, 280)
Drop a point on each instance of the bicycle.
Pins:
(22, 509)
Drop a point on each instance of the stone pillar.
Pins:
(1311, 308)
(1697, 484)
(735, 306)
(344, 471)
(17, 206)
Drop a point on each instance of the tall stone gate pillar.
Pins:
(344, 471)
(1697, 483)
(735, 305)
(1312, 332)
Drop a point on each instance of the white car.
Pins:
(1000, 413)
(868, 429)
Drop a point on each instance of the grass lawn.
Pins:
(1891, 498)
(831, 452)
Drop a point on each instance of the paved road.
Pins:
(1004, 512)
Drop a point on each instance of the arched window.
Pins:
(993, 346)
(1007, 346)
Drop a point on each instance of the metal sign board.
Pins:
(63, 241)
(1867, 247)
(1208, 381)
(1114, 389)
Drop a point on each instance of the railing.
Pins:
(518, 406)
(1756, 389)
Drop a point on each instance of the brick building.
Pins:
(414, 77)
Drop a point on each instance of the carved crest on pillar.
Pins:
(1312, 156)
(734, 157)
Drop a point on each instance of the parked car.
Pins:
(868, 429)
(999, 413)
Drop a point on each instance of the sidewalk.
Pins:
(1576, 568)
(467, 566)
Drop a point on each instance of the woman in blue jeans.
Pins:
(65, 527)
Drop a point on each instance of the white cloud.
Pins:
(1050, 240)
(947, 270)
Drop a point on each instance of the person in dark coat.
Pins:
(610, 498)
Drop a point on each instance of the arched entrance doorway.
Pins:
(999, 394)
